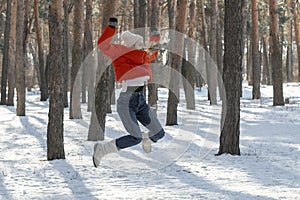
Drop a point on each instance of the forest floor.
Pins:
(181, 166)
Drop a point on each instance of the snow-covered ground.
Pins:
(181, 166)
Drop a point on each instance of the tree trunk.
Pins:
(12, 56)
(176, 62)
(203, 55)
(153, 21)
(266, 71)
(102, 93)
(88, 48)
(276, 60)
(75, 108)
(27, 26)
(220, 56)
(296, 13)
(233, 34)
(171, 13)
(35, 60)
(255, 55)
(127, 17)
(289, 55)
(5, 58)
(109, 7)
(139, 13)
(66, 52)
(55, 129)
(87, 76)
(245, 43)
(188, 68)
(289, 51)
(44, 88)
(140, 16)
(211, 72)
(249, 63)
(20, 83)
(84, 78)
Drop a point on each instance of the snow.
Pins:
(181, 166)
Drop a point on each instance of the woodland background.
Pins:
(43, 44)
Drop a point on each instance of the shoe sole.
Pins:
(95, 147)
(94, 163)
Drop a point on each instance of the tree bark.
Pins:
(153, 22)
(88, 48)
(34, 60)
(276, 59)
(127, 17)
(188, 68)
(5, 58)
(75, 108)
(233, 34)
(220, 55)
(289, 55)
(140, 13)
(171, 13)
(255, 55)
(55, 129)
(12, 56)
(176, 63)
(87, 76)
(44, 88)
(249, 63)
(102, 93)
(66, 52)
(289, 51)
(203, 55)
(266, 71)
(26, 33)
(245, 44)
(296, 13)
(211, 72)
(20, 83)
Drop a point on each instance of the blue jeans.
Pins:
(132, 107)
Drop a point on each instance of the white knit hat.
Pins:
(130, 38)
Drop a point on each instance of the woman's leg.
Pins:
(148, 118)
(127, 108)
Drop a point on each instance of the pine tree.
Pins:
(233, 34)
(275, 53)
(20, 83)
(55, 129)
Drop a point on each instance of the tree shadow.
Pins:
(73, 179)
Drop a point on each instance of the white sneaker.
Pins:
(100, 150)
(146, 143)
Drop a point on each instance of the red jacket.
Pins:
(128, 63)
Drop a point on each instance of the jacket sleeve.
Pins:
(152, 57)
(105, 45)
